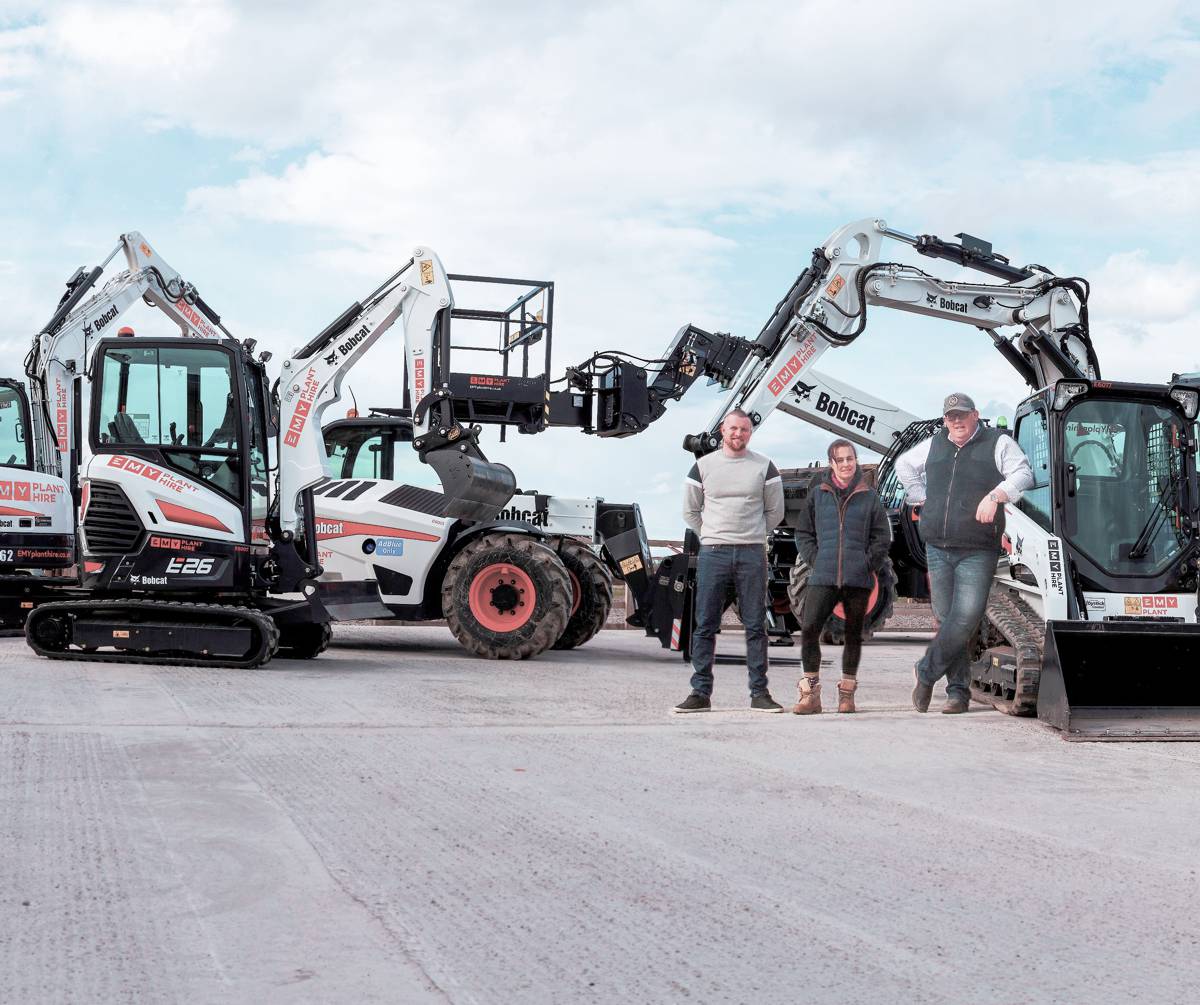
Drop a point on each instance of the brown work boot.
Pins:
(846, 688)
(955, 706)
(810, 696)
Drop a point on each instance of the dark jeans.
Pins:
(819, 602)
(960, 580)
(744, 567)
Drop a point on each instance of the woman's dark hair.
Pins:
(841, 443)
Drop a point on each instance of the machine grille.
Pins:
(110, 526)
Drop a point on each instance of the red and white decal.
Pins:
(31, 491)
(62, 418)
(163, 478)
(173, 543)
(181, 514)
(418, 378)
(195, 319)
(304, 403)
(347, 528)
(783, 379)
(675, 625)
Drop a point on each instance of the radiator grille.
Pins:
(110, 526)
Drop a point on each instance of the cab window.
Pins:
(1034, 439)
(179, 400)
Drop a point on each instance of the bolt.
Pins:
(443, 302)
(287, 364)
(295, 387)
(1064, 297)
(836, 253)
(876, 286)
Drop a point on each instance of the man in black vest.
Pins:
(962, 476)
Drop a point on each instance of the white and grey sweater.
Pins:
(733, 500)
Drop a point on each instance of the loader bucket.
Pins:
(1121, 680)
(476, 490)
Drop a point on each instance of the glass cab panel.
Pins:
(179, 400)
(14, 415)
(1033, 437)
(1126, 469)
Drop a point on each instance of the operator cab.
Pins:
(1126, 500)
(377, 447)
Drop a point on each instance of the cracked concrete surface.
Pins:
(398, 822)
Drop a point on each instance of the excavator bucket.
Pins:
(476, 490)
(1121, 680)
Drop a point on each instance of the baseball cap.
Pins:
(958, 402)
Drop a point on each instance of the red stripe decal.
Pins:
(346, 528)
(13, 511)
(181, 514)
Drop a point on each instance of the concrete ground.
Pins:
(397, 822)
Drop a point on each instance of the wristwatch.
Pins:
(992, 496)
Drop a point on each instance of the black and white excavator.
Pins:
(1092, 621)
(37, 425)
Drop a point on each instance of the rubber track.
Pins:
(223, 614)
(1017, 624)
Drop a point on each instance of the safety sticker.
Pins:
(835, 287)
(389, 546)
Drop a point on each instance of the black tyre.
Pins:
(504, 597)
(304, 641)
(834, 631)
(591, 593)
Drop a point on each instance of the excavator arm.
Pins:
(59, 350)
(419, 297)
(616, 395)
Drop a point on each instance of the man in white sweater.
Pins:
(732, 499)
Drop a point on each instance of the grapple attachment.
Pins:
(476, 489)
(1121, 680)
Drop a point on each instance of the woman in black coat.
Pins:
(843, 535)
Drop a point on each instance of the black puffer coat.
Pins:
(843, 537)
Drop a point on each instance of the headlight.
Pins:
(1065, 390)
(1189, 400)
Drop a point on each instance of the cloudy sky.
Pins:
(662, 162)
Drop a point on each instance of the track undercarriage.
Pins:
(1006, 661)
(174, 633)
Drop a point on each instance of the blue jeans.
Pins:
(744, 567)
(960, 580)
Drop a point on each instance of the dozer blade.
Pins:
(476, 489)
(1121, 680)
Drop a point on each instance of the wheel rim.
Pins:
(576, 593)
(840, 611)
(502, 597)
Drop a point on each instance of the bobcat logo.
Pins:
(931, 299)
(87, 330)
(803, 390)
(331, 359)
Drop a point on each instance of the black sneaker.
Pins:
(694, 703)
(765, 703)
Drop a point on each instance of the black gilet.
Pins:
(956, 479)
